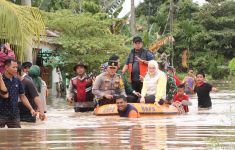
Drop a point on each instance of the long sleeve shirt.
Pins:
(155, 85)
(171, 87)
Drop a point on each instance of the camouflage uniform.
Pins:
(171, 88)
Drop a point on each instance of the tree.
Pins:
(218, 19)
(19, 24)
(85, 37)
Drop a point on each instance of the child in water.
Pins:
(189, 81)
(182, 97)
(203, 90)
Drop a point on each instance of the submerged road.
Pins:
(65, 129)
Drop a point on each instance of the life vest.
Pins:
(126, 112)
(82, 89)
(142, 66)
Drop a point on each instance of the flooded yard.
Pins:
(65, 129)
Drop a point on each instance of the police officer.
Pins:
(108, 85)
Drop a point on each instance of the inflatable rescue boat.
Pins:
(144, 109)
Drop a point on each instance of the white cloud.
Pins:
(127, 6)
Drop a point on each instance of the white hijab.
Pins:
(155, 64)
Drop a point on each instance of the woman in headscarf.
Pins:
(154, 85)
(41, 86)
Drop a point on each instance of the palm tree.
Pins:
(19, 25)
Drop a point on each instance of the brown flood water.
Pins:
(65, 129)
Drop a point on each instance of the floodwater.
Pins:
(65, 129)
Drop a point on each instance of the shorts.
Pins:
(10, 122)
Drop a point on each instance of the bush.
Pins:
(220, 72)
(231, 65)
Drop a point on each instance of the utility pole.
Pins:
(149, 12)
(80, 6)
(26, 2)
(28, 52)
(132, 18)
(171, 33)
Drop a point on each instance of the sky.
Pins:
(127, 6)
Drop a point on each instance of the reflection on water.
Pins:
(64, 129)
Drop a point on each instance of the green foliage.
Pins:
(85, 37)
(207, 32)
(220, 72)
(218, 20)
(91, 7)
(19, 25)
(232, 65)
(113, 7)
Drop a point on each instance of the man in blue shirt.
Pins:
(137, 63)
(9, 111)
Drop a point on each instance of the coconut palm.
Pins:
(19, 25)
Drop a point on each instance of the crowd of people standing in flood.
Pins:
(23, 91)
(20, 90)
(149, 82)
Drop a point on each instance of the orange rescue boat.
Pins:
(144, 109)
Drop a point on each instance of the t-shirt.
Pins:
(30, 93)
(189, 81)
(9, 107)
(130, 112)
(203, 93)
(178, 98)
